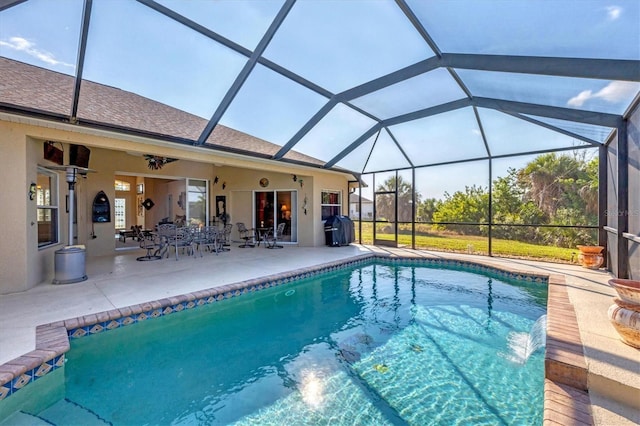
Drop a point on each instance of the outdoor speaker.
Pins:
(53, 153)
(79, 156)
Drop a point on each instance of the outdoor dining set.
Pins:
(194, 240)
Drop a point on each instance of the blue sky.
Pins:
(338, 45)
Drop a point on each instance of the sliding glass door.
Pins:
(274, 207)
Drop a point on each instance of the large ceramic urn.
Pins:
(625, 313)
(591, 256)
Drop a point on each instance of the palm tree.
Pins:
(385, 203)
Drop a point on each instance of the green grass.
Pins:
(444, 241)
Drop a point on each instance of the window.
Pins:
(120, 212)
(122, 186)
(331, 204)
(47, 208)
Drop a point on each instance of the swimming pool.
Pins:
(382, 343)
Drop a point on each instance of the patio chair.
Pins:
(247, 234)
(225, 238)
(271, 239)
(179, 238)
(151, 244)
(209, 238)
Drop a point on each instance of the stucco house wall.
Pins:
(23, 265)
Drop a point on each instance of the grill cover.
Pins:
(339, 231)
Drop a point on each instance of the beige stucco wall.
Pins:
(23, 265)
(14, 204)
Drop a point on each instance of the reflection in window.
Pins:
(198, 201)
(47, 208)
(331, 203)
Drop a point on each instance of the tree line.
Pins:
(552, 189)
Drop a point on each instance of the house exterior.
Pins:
(35, 195)
(355, 203)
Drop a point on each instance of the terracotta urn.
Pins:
(591, 256)
(625, 313)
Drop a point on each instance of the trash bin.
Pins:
(338, 231)
(70, 265)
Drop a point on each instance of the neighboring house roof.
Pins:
(353, 198)
(48, 91)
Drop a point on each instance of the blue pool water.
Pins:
(377, 344)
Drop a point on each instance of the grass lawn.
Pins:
(441, 241)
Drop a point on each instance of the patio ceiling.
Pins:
(364, 85)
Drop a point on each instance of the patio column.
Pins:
(623, 200)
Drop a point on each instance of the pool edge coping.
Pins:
(565, 364)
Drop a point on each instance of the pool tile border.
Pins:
(565, 365)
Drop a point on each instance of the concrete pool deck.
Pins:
(613, 368)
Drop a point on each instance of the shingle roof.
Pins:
(353, 198)
(49, 91)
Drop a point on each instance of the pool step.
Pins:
(24, 419)
(332, 399)
(67, 412)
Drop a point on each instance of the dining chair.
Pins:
(247, 234)
(151, 243)
(271, 239)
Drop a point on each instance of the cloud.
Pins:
(613, 12)
(23, 45)
(613, 92)
(578, 101)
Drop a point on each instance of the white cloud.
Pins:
(613, 92)
(579, 100)
(613, 12)
(23, 45)
(476, 132)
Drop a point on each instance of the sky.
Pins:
(338, 45)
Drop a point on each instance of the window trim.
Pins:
(54, 205)
(339, 205)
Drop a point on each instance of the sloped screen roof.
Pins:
(362, 85)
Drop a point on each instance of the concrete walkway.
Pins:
(118, 281)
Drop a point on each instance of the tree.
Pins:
(426, 209)
(556, 182)
(385, 203)
(565, 188)
(470, 206)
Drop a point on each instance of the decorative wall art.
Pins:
(101, 209)
(148, 204)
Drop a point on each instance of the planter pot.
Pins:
(628, 290)
(626, 322)
(591, 256)
(625, 314)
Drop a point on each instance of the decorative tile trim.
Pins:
(52, 340)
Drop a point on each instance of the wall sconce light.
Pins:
(32, 191)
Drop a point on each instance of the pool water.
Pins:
(376, 344)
